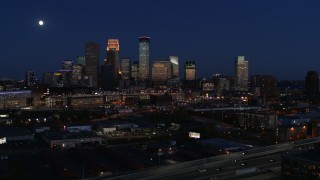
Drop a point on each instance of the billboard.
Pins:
(3, 140)
(194, 135)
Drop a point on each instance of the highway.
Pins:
(227, 170)
(189, 170)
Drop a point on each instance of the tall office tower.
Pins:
(241, 71)
(126, 68)
(144, 43)
(77, 75)
(47, 78)
(159, 71)
(113, 57)
(264, 85)
(81, 60)
(106, 72)
(92, 63)
(175, 66)
(312, 83)
(135, 70)
(30, 78)
(190, 71)
(168, 65)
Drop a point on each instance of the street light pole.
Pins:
(159, 153)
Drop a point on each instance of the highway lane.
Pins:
(187, 167)
(227, 170)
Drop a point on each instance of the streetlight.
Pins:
(159, 153)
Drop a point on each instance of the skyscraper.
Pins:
(113, 57)
(67, 65)
(47, 78)
(167, 68)
(81, 60)
(107, 82)
(241, 71)
(126, 68)
(190, 71)
(92, 63)
(312, 83)
(30, 78)
(144, 43)
(159, 71)
(77, 76)
(264, 85)
(175, 66)
(135, 70)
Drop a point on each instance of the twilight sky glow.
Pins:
(280, 38)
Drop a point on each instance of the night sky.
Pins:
(278, 37)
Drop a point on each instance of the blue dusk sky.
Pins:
(278, 37)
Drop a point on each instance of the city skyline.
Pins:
(273, 36)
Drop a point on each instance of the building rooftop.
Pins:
(14, 131)
(66, 135)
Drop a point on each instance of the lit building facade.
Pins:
(113, 57)
(81, 60)
(190, 71)
(144, 43)
(159, 71)
(242, 73)
(126, 68)
(175, 66)
(135, 70)
(67, 65)
(30, 78)
(92, 63)
(77, 75)
(168, 67)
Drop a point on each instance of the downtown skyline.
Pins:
(273, 39)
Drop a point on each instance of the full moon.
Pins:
(41, 23)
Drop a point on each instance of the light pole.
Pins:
(159, 153)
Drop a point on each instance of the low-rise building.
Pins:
(259, 121)
(69, 140)
(16, 134)
(301, 165)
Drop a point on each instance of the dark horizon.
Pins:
(277, 38)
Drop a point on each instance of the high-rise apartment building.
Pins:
(175, 66)
(242, 73)
(190, 71)
(126, 68)
(144, 73)
(92, 63)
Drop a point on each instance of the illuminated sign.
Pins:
(3, 140)
(194, 135)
